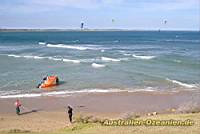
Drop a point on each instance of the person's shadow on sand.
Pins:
(28, 112)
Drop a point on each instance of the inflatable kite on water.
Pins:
(49, 81)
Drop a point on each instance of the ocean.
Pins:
(98, 61)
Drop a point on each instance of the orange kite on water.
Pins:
(49, 81)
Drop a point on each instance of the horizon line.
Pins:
(91, 29)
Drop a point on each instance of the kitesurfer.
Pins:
(17, 105)
(70, 113)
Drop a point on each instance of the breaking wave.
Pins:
(95, 65)
(12, 55)
(143, 57)
(182, 84)
(41, 43)
(68, 60)
(109, 59)
(56, 59)
(77, 47)
(67, 93)
(126, 54)
(39, 57)
(26, 56)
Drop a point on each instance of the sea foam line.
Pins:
(41, 43)
(127, 54)
(56, 59)
(12, 55)
(53, 93)
(67, 93)
(68, 60)
(109, 59)
(87, 47)
(67, 46)
(182, 84)
(39, 57)
(26, 56)
(95, 65)
(143, 57)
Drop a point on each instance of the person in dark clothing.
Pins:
(45, 78)
(70, 113)
(57, 81)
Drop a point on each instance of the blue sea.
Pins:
(114, 61)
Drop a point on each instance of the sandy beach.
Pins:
(49, 113)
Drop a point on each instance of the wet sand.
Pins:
(120, 102)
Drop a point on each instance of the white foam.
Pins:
(68, 46)
(102, 50)
(54, 93)
(67, 93)
(110, 59)
(127, 54)
(123, 59)
(95, 65)
(28, 56)
(50, 58)
(143, 57)
(68, 60)
(41, 43)
(33, 57)
(182, 84)
(12, 55)
(148, 89)
(56, 59)
(38, 57)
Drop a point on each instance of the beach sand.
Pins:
(41, 114)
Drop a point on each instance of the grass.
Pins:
(91, 125)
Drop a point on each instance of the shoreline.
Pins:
(110, 102)
(64, 93)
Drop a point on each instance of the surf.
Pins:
(143, 57)
(95, 65)
(73, 61)
(109, 59)
(182, 84)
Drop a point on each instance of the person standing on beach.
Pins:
(70, 113)
(17, 105)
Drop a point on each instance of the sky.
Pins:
(101, 14)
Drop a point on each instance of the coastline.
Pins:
(113, 102)
(92, 30)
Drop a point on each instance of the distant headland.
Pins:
(78, 30)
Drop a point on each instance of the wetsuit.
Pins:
(70, 113)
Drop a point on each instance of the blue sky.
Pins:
(127, 14)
